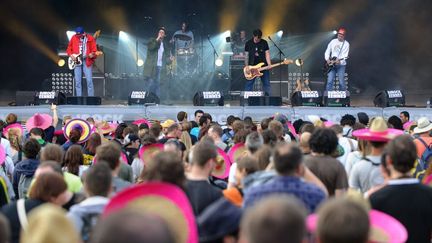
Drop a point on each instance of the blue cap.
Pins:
(79, 30)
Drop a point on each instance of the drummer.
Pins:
(183, 39)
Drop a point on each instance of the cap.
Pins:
(79, 30)
(341, 31)
(167, 123)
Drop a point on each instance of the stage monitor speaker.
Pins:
(238, 81)
(84, 100)
(50, 97)
(25, 98)
(265, 101)
(306, 98)
(388, 98)
(245, 95)
(142, 98)
(336, 98)
(208, 98)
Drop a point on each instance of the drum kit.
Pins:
(186, 64)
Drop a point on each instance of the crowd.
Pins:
(360, 179)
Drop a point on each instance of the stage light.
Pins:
(70, 33)
(335, 32)
(226, 34)
(299, 62)
(61, 62)
(123, 36)
(219, 62)
(279, 33)
(140, 62)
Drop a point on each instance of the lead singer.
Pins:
(158, 56)
(258, 51)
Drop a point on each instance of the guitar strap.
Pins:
(343, 43)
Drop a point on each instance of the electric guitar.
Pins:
(330, 65)
(251, 72)
(77, 60)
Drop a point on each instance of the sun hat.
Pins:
(107, 127)
(38, 120)
(236, 152)
(423, 125)
(165, 200)
(79, 124)
(14, 126)
(377, 132)
(2, 155)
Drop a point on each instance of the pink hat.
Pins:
(223, 164)
(237, 152)
(107, 127)
(378, 131)
(13, 126)
(164, 200)
(42, 121)
(80, 124)
(148, 151)
(384, 228)
(407, 125)
(141, 121)
(2, 155)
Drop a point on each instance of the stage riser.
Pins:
(219, 114)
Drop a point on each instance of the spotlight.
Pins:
(140, 62)
(61, 62)
(226, 34)
(219, 62)
(123, 36)
(334, 32)
(70, 33)
(299, 62)
(279, 33)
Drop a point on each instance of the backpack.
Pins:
(423, 161)
(89, 221)
(24, 185)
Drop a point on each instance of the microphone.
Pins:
(270, 38)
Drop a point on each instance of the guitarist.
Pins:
(336, 55)
(258, 51)
(85, 43)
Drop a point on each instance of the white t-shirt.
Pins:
(160, 54)
(349, 145)
(334, 48)
(366, 174)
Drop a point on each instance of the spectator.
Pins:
(185, 137)
(342, 220)
(263, 157)
(129, 224)
(274, 219)
(38, 134)
(89, 150)
(182, 116)
(50, 187)
(288, 163)
(404, 116)
(131, 147)
(97, 186)
(269, 137)
(228, 132)
(200, 192)
(424, 139)
(366, 173)
(404, 197)
(25, 169)
(48, 223)
(198, 114)
(245, 166)
(347, 122)
(364, 149)
(304, 143)
(277, 128)
(215, 133)
(330, 171)
(53, 152)
(347, 144)
(4, 230)
(395, 122)
(165, 167)
(14, 146)
(74, 137)
(73, 161)
(363, 118)
(110, 153)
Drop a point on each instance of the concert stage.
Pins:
(119, 113)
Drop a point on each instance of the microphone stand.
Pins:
(215, 54)
(280, 69)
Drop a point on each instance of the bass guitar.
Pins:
(251, 72)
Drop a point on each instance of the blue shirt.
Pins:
(309, 194)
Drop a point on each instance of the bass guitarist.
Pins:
(258, 51)
(82, 49)
(335, 56)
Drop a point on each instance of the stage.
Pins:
(118, 113)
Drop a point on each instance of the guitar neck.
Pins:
(272, 66)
